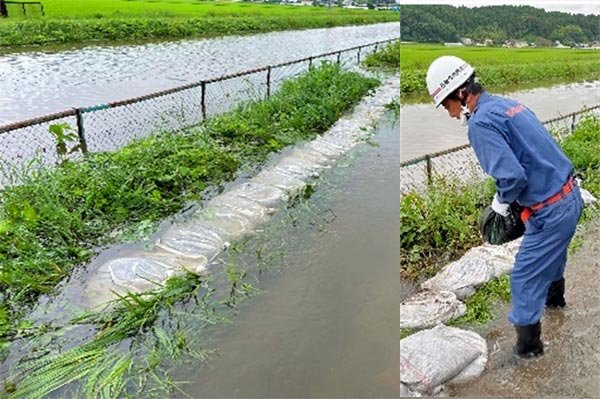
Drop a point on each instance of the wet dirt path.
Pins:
(570, 367)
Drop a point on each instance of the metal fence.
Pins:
(22, 9)
(27, 145)
(460, 163)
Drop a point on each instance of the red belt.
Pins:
(566, 189)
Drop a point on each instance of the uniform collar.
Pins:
(483, 97)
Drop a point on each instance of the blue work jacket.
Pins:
(514, 148)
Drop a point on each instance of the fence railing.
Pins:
(460, 163)
(28, 144)
(21, 8)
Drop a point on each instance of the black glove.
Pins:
(497, 229)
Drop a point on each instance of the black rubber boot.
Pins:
(556, 294)
(528, 340)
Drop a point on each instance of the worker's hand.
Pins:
(499, 207)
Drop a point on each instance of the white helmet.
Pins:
(446, 74)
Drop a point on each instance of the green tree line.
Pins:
(443, 23)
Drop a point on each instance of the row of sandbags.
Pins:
(191, 243)
(436, 356)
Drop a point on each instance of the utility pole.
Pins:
(3, 9)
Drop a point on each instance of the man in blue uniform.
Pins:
(529, 167)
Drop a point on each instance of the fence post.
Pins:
(572, 123)
(24, 11)
(3, 9)
(81, 130)
(310, 62)
(428, 166)
(339, 57)
(269, 81)
(359, 55)
(376, 45)
(203, 103)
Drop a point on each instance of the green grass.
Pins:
(55, 220)
(103, 367)
(499, 68)
(583, 149)
(481, 306)
(440, 226)
(386, 58)
(74, 21)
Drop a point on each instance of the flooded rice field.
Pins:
(426, 129)
(326, 323)
(38, 83)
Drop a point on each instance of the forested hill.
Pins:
(442, 23)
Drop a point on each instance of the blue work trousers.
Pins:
(542, 256)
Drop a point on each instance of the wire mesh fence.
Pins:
(24, 9)
(460, 163)
(111, 126)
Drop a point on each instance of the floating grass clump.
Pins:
(129, 343)
(57, 217)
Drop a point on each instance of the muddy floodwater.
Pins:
(426, 129)
(570, 366)
(38, 83)
(326, 324)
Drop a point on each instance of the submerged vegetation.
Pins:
(56, 219)
(71, 21)
(499, 68)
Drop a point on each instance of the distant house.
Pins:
(453, 44)
(558, 44)
(521, 44)
(466, 41)
(488, 42)
(517, 43)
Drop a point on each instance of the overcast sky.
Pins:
(573, 7)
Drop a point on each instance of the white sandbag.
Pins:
(587, 197)
(438, 392)
(253, 211)
(268, 196)
(434, 357)
(226, 221)
(290, 184)
(476, 267)
(325, 148)
(461, 277)
(139, 273)
(191, 240)
(427, 309)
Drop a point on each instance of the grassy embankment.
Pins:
(499, 69)
(75, 21)
(441, 226)
(58, 217)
